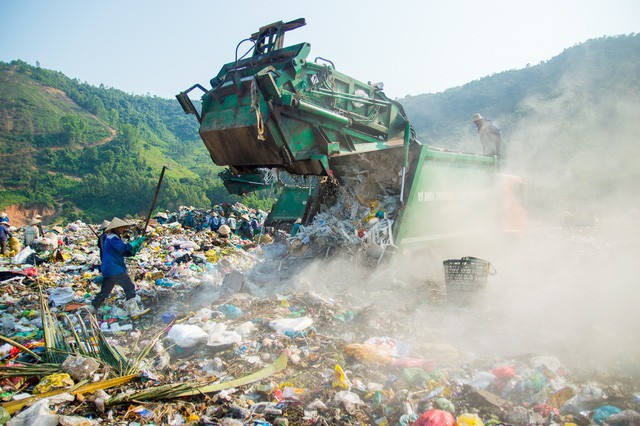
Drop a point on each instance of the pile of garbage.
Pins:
(223, 347)
(359, 216)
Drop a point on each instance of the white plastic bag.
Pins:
(187, 335)
(291, 325)
(21, 257)
(61, 295)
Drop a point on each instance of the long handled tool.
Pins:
(155, 197)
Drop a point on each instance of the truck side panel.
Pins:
(452, 196)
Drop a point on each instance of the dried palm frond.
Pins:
(78, 389)
(27, 370)
(177, 390)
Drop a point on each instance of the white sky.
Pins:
(161, 47)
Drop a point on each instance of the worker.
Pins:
(244, 229)
(214, 221)
(5, 234)
(114, 269)
(161, 218)
(31, 232)
(189, 219)
(296, 227)
(490, 135)
(4, 218)
(256, 226)
(232, 223)
(224, 231)
(37, 216)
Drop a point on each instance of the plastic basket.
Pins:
(467, 276)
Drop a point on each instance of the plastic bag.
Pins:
(601, 414)
(468, 419)
(38, 414)
(53, 381)
(230, 311)
(435, 418)
(61, 296)
(340, 379)
(348, 399)
(284, 325)
(187, 335)
(22, 256)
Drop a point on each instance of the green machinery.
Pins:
(277, 109)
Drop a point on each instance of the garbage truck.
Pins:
(277, 116)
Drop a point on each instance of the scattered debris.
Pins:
(225, 343)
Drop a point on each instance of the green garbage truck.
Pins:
(278, 110)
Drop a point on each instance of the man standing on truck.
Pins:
(490, 135)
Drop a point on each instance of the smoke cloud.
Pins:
(568, 286)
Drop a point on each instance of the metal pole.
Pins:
(407, 137)
(155, 197)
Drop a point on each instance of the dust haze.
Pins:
(568, 286)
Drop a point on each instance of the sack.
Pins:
(15, 245)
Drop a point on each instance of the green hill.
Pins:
(93, 152)
(569, 127)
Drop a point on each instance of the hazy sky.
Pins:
(161, 47)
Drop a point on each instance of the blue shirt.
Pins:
(214, 223)
(4, 233)
(113, 252)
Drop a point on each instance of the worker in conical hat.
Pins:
(113, 267)
(31, 232)
(490, 135)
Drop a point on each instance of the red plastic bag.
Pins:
(30, 272)
(504, 372)
(435, 418)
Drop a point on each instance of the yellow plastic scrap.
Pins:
(560, 397)
(468, 419)
(193, 418)
(433, 385)
(340, 379)
(53, 381)
(370, 216)
(211, 255)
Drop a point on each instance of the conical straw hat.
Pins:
(116, 222)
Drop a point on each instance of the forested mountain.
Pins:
(569, 127)
(93, 152)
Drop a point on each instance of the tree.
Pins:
(73, 127)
